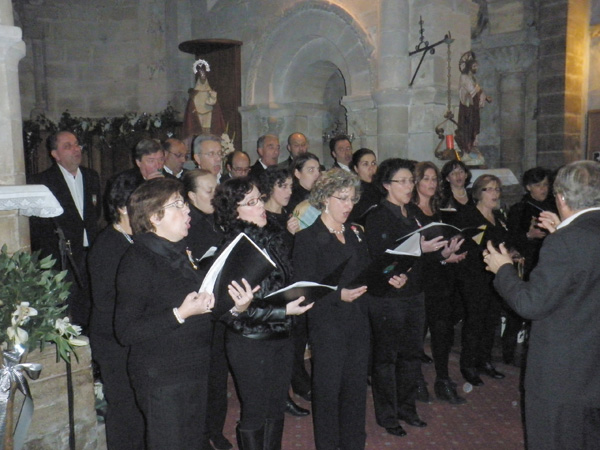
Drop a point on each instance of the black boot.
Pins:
(273, 434)
(295, 410)
(250, 439)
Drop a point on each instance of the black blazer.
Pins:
(562, 298)
(43, 234)
(320, 257)
(255, 170)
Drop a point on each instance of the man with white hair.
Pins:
(562, 299)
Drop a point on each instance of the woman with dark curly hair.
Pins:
(257, 340)
(330, 252)
(276, 187)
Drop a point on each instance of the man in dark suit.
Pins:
(78, 191)
(297, 145)
(267, 147)
(340, 148)
(562, 298)
(237, 164)
(175, 157)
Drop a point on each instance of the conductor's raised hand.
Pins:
(549, 221)
(295, 309)
(349, 295)
(242, 294)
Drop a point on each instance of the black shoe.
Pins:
(425, 358)
(446, 392)
(422, 392)
(306, 395)
(413, 421)
(220, 442)
(396, 431)
(295, 410)
(489, 370)
(472, 376)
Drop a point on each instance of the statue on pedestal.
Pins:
(202, 114)
(472, 99)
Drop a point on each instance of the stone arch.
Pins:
(310, 41)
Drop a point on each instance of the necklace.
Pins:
(331, 230)
(463, 195)
(120, 229)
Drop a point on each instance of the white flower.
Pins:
(22, 314)
(67, 329)
(157, 123)
(77, 342)
(201, 62)
(84, 125)
(18, 335)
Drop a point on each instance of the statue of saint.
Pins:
(472, 99)
(202, 113)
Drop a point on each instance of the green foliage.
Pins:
(24, 278)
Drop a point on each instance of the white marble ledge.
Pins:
(30, 200)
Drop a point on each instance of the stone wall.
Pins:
(49, 428)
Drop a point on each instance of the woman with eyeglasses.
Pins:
(306, 169)
(162, 318)
(482, 304)
(364, 164)
(334, 253)
(398, 315)
(258, 343)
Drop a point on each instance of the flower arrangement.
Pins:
(31, 295)
(227, 144)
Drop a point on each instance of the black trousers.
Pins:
(439, 320)
(300, 377)
(397, 326)
(124, 420)
(217, 382)
(558, 426)
(340, 356)
(262, 371)
(482, 307)
(174, 413)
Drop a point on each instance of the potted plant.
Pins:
(32, 313)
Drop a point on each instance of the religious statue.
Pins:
(472, 99)
(202, 113)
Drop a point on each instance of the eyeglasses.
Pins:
(404, 181)
(252, 202)
(491, 189)
(241, 169)
(213, 154)
(354, 200)
(179, 204)
(180, 155)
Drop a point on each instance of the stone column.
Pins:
(14, 230)
(393, 66)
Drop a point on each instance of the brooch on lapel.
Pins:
(191, 258)
(94, 199)
(356, 232)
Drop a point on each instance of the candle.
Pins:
(450, 141)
